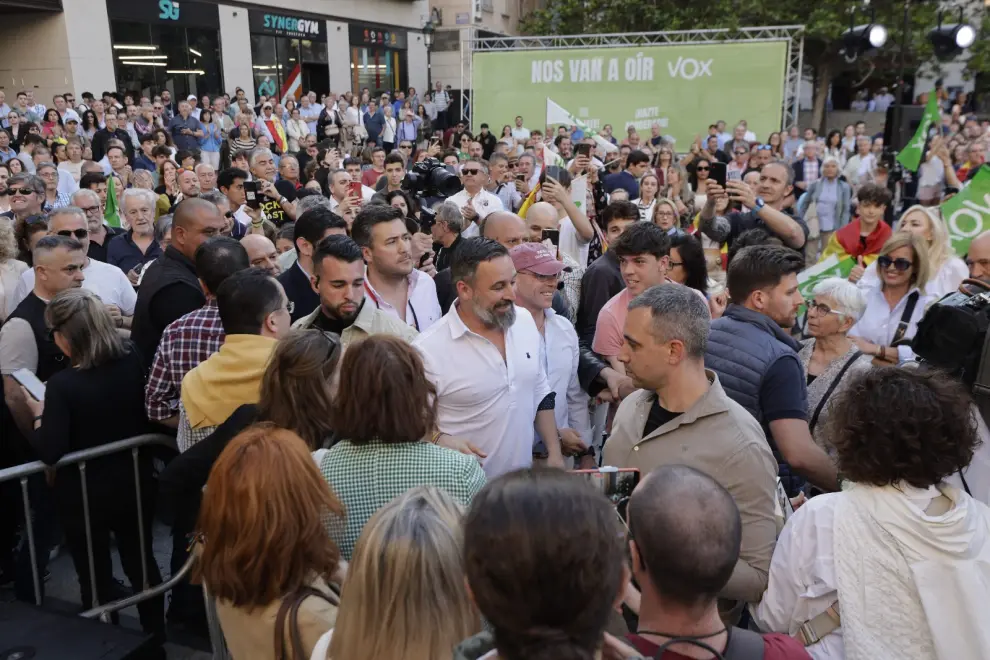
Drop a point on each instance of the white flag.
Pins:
(557, 115)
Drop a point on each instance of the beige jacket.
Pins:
(718, 437)
(250, 635)
(370, 321)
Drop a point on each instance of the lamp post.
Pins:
(429, 32)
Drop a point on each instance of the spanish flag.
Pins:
(531, 199)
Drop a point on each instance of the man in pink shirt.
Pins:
(643, 251)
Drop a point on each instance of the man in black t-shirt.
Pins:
(276, 204)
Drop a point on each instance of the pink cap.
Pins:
(536, 258)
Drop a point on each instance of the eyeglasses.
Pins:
(21, 191)
(823, 310)
(741, 153)
(764, 147)
(90, 209)
(470, 172)
(900, 264)
(701, 169)
(78, 233)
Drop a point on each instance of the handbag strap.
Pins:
(905, 321)
(830, 390)
(290, 609)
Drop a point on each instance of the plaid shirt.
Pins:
(61, 201)
(187, 436)
(571, 277)
(186, 343)
(368, 476)
(811, 170)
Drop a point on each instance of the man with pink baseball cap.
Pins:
(537, 278)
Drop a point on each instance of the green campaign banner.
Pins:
(830, 267)
(683, 88)
(968, 214)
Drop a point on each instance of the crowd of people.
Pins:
(391, 405)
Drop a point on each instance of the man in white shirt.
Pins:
(64, 111)
(537, 274)
(483, 357)
(474, 201)
(519, 132)
(106, 281)
(393, 282)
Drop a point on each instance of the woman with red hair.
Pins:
(265, 554)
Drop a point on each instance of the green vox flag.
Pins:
(910, 156)
(830, 267)
(968, 214)
(112, 214)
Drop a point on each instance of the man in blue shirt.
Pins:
(185, 129)
(628, 179)
(374, 122)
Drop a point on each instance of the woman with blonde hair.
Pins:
(678, 189)
(947, 271)
(101, 366)
(10, 267)
(894, 308)
(405, 597)
(264, 554)
(665, 215)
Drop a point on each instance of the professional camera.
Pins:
(430, 178)
(953, 337)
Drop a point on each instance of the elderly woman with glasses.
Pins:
(894, 308)
(830, 358)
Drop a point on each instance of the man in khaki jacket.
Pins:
(338, 278)
(683, 416)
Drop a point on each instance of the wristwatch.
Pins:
(759, 204)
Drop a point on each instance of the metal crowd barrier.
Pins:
(80, 458)
(104, 611)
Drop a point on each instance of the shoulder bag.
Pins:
(290, 609)
(831, 388)
(902, 327)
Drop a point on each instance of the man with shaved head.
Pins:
(262, 253)
(170, 288)
(685, 533)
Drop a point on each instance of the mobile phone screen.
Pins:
(30, 382)
(251, 194)
(354, 188)
(718, 173)
(583, 149)
(552, 235)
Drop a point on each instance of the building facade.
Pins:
(206, 47)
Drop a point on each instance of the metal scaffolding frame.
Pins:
(792, 34)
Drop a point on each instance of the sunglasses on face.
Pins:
(701, 169)
(470, 172)
(900, 264)
(741, 153)
(20, 191)
(78, 233)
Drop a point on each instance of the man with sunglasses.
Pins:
(474, 201)
(106, 281)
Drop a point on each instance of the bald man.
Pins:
(978, 257)
(262, 253)
(171, 288)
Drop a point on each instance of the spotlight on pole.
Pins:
(862, 39)
(950, 40)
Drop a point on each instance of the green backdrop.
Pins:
(684, 87)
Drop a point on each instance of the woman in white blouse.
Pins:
(296, 129)
(894, 308)
(947, 271)
(896, 564)
(649, 186)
